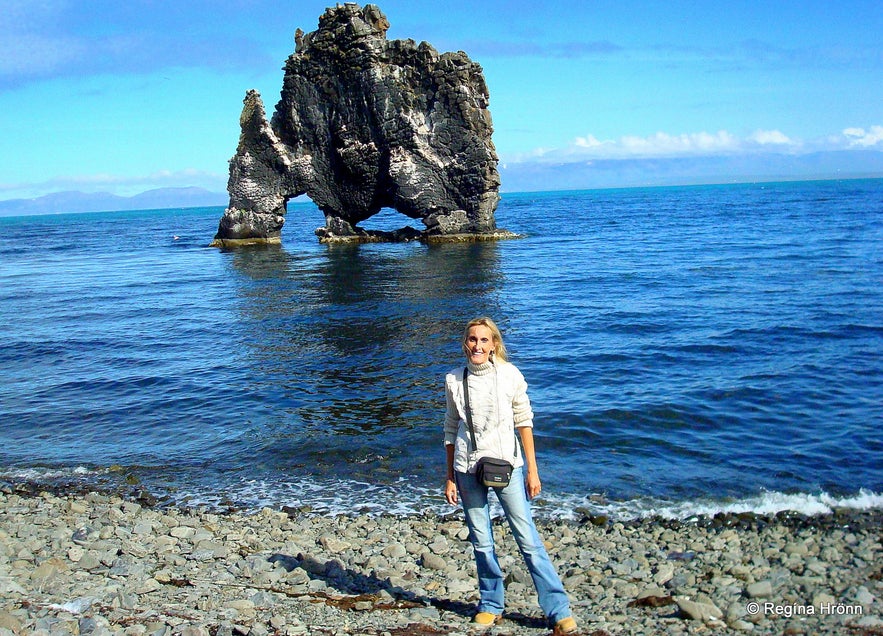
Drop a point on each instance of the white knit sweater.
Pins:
(499, 404)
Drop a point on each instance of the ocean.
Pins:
(688, 350)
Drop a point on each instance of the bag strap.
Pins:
(468, 412)
(469, 415)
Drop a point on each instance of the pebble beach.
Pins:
(102, 564)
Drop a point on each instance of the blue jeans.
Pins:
(513, 499)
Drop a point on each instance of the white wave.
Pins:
(319, 496)
(43, 474)
(765, 503)
(333, 497)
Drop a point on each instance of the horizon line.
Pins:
(299, 199)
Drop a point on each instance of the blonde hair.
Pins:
(499, 351)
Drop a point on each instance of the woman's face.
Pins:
(479, 344)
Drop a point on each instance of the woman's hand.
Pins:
(451, 492)
(533, 484)
(532, 481)
(450, 484)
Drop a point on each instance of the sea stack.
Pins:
(366, 123)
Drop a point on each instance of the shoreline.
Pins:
(104, 564)
(119, 481)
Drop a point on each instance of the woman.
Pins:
(498, 405)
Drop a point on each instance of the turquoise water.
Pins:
(687, 349)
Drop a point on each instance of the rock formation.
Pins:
(366, 123)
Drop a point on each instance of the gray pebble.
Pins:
(266, 573)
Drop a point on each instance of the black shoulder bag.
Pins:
(490, 471)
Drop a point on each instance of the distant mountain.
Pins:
(530, 176)
(68, 202)
(179, 198)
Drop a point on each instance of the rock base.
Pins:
(408, 234)
(224, 243)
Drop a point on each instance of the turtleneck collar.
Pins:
(480, 369)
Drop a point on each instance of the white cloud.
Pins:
(53, 39)
(663, 145)
(589, 141)
(33, 54)
(862, 137)
(658, 145)
(771, 138)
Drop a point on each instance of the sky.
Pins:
(123, 97)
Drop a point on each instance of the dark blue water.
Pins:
(687, 349)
